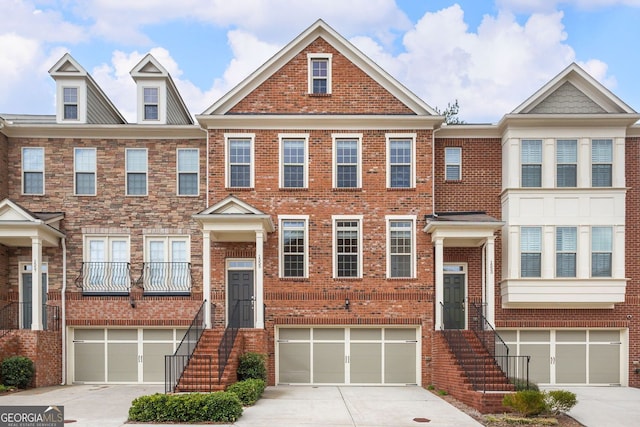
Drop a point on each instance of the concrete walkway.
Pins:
(108, 406)
(606, 406)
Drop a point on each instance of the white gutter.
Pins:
(63, 321)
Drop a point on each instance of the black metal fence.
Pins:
(113, 278)
(176, 363)
(18, 315)
(228, 339)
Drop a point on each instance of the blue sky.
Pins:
(489, 55)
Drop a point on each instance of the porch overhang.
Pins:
(464, 229)
(19, 227)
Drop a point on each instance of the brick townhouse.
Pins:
(329, 216)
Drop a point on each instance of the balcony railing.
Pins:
(110, 278)
(166, 278)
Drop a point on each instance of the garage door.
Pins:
(357, 356)
(122, 355)
(571, 357)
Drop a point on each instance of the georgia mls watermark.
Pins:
(31, 416)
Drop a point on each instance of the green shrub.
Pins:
(252, 366)
(560, 400)
(521, 384)
(221, 407)
(526, 402)
(249, 391)
(17, 371)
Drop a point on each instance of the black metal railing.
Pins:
(166, 278)
(228, 339)
(515, 368)
(105, 278)
(176, 363)
(459, 345)
(18, 315)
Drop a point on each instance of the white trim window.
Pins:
(531, 162)
(84, 171)
(319, 66)
(401, 160)
(601, 251)
(347, 160)
(136, 165)
(401, 246)
(151, 103)
(601, 162)
(293, 161)
(566, 248)
(240, 160)
(188, 168)
(566, 163)
(33, 170)
(294, 246)
(70, 103)
(453, 163)
(530, 251)
(167, 269)
(106, 266)
(347, 246)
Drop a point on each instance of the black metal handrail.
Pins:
(165, 278)
(459, 345)
(176, 363)
(511, 366)
(228, 339)
(17, 315)
(104, 278)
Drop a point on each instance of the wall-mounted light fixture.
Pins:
(132, 302)
(347, 304)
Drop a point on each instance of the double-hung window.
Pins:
(293, 161)
(167, 268)
(400, 161)
(106, 266)
(33, 171)
(530, 251)
(601, 162)
(293, 247)
(601, 251)
(151, 103)
(566, 162)
(188, 168)
(136, 160)
(347, 162)
(347, 233)
(240, 161)
(531, 162)
(84, 164)
(566, 247)
(401, 247)
(319, 73)
(70, 103)
(453, 163)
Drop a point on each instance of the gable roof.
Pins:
(100, 109)
(150, 68)
(19, 225)
(320, 29)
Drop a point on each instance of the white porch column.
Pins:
(206, 277)
(259, 295)
(36, 284)
(490, 256)
(439, 267)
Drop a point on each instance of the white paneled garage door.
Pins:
(121, 355)
(570, 356)
(351, 355)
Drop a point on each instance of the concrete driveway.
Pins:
(606, 406)
(108, 406)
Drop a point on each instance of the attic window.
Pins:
(319, 74)
(151, 103)
(70, 102)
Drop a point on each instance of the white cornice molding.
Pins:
(104, 131)
(567, 120)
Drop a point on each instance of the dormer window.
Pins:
(319, 74)
(70, 103)
(151, 103)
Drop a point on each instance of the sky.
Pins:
(487, 55)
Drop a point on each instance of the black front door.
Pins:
(453, 301)
(241, 300)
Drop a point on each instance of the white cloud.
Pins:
(529, 6)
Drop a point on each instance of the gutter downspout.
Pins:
(63, 321)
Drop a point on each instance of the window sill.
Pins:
(239, 188)
(347, 190)
(401, 188)
(294, 189)
(294, 279)
(453, 181)
(349, 279)
(319, 95)
(401, 279)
